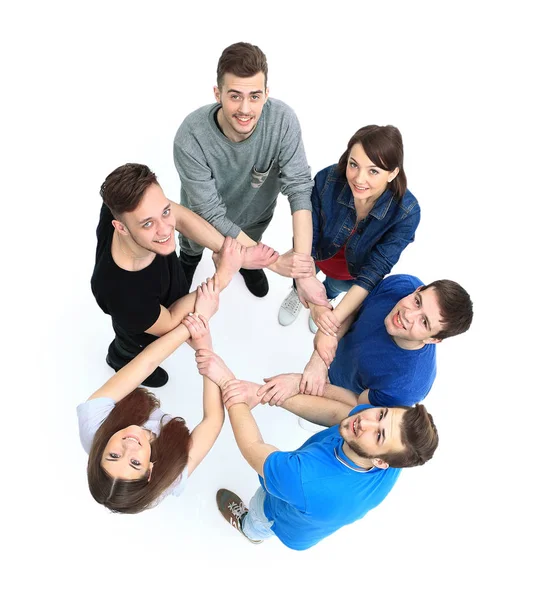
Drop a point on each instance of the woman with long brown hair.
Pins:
(137, 453)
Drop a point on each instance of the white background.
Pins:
(90, 86)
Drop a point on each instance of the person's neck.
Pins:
(364, 463)
(129, 254)
(228, 131)
(408, 344)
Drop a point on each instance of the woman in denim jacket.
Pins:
(363, 218)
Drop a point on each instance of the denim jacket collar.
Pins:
(378, 211)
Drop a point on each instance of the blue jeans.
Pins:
(255, 525)
(334, 287)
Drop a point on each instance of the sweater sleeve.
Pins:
(295, 173)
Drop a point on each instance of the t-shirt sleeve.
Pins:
(91, 415)
(378, 398)
(283, 478)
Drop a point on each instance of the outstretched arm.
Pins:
(228, 260)
(248, 437)
(145, 363)
(205, 434)
(196, 228)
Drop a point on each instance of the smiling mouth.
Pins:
(360, 189)
(164, 240)
(399, 321)
(243, 120)
(133, 439)
(355, 427)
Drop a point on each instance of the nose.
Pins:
(368, 424)
(244, 107)
(360, 177)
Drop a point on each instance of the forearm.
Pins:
(248, 436)
(350, 303)
(320, 410)
(339, 394)
(212, 405)
(245, 240)
(195, 228)
(302, 231)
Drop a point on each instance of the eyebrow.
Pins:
(242, 93)
(351, 157)
(384, 430)
(142, 221)
(116, 460)
(421, 304)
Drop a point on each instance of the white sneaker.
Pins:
(289, 309)
(309, 426)
(312, 327)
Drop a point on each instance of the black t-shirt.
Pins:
(133, 298)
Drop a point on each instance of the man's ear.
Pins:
(432, 340)
(379, 463)
(217, 94)
(120, 227)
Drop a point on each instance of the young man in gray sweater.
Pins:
(234, 157)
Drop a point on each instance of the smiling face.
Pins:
(242, 100)
(151, 225)
(415, 320)
(366, 180)
(127, 454)
(374, 432)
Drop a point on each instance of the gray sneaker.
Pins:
(289, 309)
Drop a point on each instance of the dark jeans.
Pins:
(122, 350)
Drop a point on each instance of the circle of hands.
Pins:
(312, 295)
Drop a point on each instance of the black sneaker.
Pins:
(256, 281)
(156, 379)
(189, 265)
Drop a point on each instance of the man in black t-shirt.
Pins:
(137, 277)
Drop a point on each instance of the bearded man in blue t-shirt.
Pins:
(334, 478)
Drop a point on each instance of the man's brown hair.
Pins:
(243, 60)
(124, 188)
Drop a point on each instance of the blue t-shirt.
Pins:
(316, 489)
(368, 358)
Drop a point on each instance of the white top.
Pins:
(91, 415)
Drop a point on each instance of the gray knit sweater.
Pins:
(234, 185)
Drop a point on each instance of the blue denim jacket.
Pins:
(381, 237)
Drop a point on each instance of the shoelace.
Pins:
(237, 509)
(291, 302)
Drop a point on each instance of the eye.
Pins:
(235, 97)
(114, 455)
(381, 415)
(166, 212)
(352, 164)
(416, 301)
(136, 462)
(424, 322)
(147, 225)
(373, 172)
(378, 436)
(255, 97)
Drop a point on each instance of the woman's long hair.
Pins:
(169, 453)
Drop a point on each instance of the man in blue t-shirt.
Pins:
(386, 353)
(334, 478)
